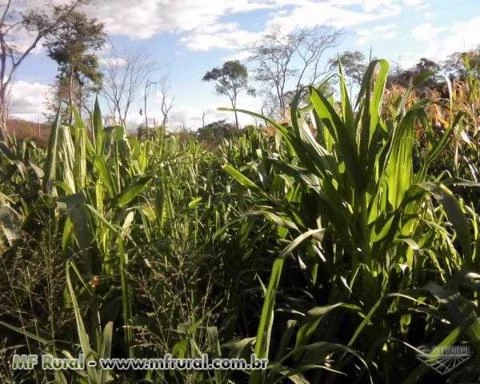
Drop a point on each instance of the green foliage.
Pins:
(214, 133)
(353, 63)
(358, 217)
(230, 80)
(72, 45)
(331, 248)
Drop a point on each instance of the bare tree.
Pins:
(20, 32)
(166, 101)
(285, 62)
(269, 105)
(124, 75)
(146, 92)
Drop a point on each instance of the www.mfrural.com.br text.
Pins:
(167, 362)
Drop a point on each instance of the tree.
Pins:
(212, 134)
(20, 32)
(73, 47)
(146, 92)
(270, 106)
(166, 102)
(353, 63)
(461, 65)
(286, 62)
(403, 77)
(230, 80)
(123, 78)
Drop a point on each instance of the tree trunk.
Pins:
(233, 100)
(236, 119)
(3, 118)
(145, 111)
(70, 98)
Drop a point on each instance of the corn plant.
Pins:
(359, 218)
(331, 248)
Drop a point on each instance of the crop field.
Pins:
(342, 244)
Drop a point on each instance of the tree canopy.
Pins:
(230, 80)
(21, 30)
(354, 65)
(73, 48)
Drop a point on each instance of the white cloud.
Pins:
(422, 7)
(20, 40)
(373, 5)
(412, 3)
(426, 32)
(381, 32)
(335, 14)
(190, 116)
(227, 36)
(27, 100)
(366, 5)
(428, 15)
(242, 55)
(202, 25)
(146, 18)
(18, 37)
(406, 59)
(113, 61)
(460, 37)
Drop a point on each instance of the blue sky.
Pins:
(186, 38)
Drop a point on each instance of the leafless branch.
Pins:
(124, 75)
(285, 62)
(41, 23)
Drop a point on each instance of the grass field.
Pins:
(337, 247)
(24, 129)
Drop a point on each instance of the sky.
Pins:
(186, 38)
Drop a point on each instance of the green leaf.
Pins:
(132, 191)
(98, 131)
(458, 219)
(82, 333)
(298, 240)
(313, 318)
(194, 203)
(25, 333)
(240, 177)
(50, 163)
(264, 332)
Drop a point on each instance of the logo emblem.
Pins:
(443, 359)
